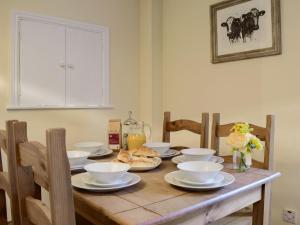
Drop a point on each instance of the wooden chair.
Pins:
(265, 134)
(7, 187)
(189, 125)
(36, 166)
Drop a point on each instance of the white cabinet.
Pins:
(59, 64)
(84, 64)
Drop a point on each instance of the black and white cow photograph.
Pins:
(242, 29)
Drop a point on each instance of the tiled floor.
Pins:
(234, 220)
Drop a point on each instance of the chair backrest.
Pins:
(38, 166)
(177, 125)
(265, 134)
(7, 187)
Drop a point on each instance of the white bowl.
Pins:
(160, 147)
(77, 157)
(198, 154)
(91, 147)
(200, 171)
(107, 172)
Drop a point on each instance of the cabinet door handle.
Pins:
(70, 66)
(62, 65)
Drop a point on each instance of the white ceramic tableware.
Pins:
(198, 154)
(219, 178)
(170, 153)
(160, 147)
(79, 167)
(91, 147)
(106, 152)
(90, 180)
(181, 159)
(200, 171)
(77, 157)
(77, 182)
(107, 172)
(171, 179)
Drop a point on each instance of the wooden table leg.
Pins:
(261, 209)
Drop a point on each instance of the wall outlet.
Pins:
(289, 216)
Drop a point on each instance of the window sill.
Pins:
(46, 107)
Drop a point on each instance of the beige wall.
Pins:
(151, 64)
(243, 91)
(122, 18)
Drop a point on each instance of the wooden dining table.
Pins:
(154, 201)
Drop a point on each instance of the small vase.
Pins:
(245, 162)
(235, 159)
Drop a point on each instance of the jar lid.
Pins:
(130, 120)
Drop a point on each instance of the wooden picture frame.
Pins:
(244, 29)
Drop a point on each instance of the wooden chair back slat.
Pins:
(189, 125)
(34, 154)
(37, 212)
(265, 134)
(38, 166)
(61, 196)
(13, 171)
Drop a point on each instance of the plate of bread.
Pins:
(140, 159)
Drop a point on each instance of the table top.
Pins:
(153, 200)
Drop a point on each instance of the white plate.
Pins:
(218, 179)
(78, 183)
(80, 167)
(88, 179)
(171, 179)
(170, 153)
(181, 158)
(146, 168)
(100, 154)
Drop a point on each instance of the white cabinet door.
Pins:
(84, 67)
(42, 60)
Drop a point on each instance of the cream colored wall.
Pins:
(151, 64)
(243, 90)
(122, 18)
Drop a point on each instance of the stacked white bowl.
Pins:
(200, 171)
(107, 172)
(160, 147)
(77, 157)
(197, 154)
(92, 147)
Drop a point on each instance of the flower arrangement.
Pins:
(243, 141)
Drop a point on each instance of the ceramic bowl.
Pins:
(77, 157)
(107, 172)
(160, 147)
(200, 171)
(198, 154)
(91, 147)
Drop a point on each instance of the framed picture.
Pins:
(243, 29)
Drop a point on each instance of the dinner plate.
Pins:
(157, 162)
(80, 166)
(181, 158)
(171, 179)
(77, 182)
(107, 152)
(170, 153)
(181, 178)
(88, 179)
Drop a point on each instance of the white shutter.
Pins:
(42, 60)
(84, 54)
